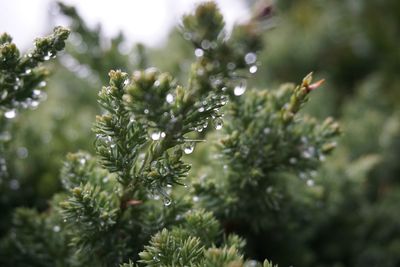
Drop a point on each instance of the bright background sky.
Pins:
(147, 21)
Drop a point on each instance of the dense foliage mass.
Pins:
(205, 164)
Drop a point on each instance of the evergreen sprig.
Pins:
(150, 120)
(266, 138)
(92, 206)
(21, 78)
(172, 248)
(150, 116)
(193, 244)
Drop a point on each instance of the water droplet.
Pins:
(200, 71)
(196, 199)
(14, 184)
(251, 263)
(10, 114)
(205, 44)
(250, 58)
(48, 56)
(5, 136)
(306, 154)
(4, 95)
(22, 152)
(167, 201)
(36, 92)
(146, 111)
(25, 103)
(302, 175)
(28, 71)
(188, 148)
(310, 182)
(42, 84)
(253, 69)
(215, 82)
(240, 88)
(56, 228)
(198, 52)
(34, 104)
(309, 152)
(231, 66)
(201, 109)
(223, 101)
(304, 140)
(187, 36)
(156, 136)
(162, 134)
(3, 168)
(218, 122)
(169, 98)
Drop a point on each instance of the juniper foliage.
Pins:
(133, 204)
(22, 84)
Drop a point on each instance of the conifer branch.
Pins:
(265, 138)
(152, 105)
(21, 79)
